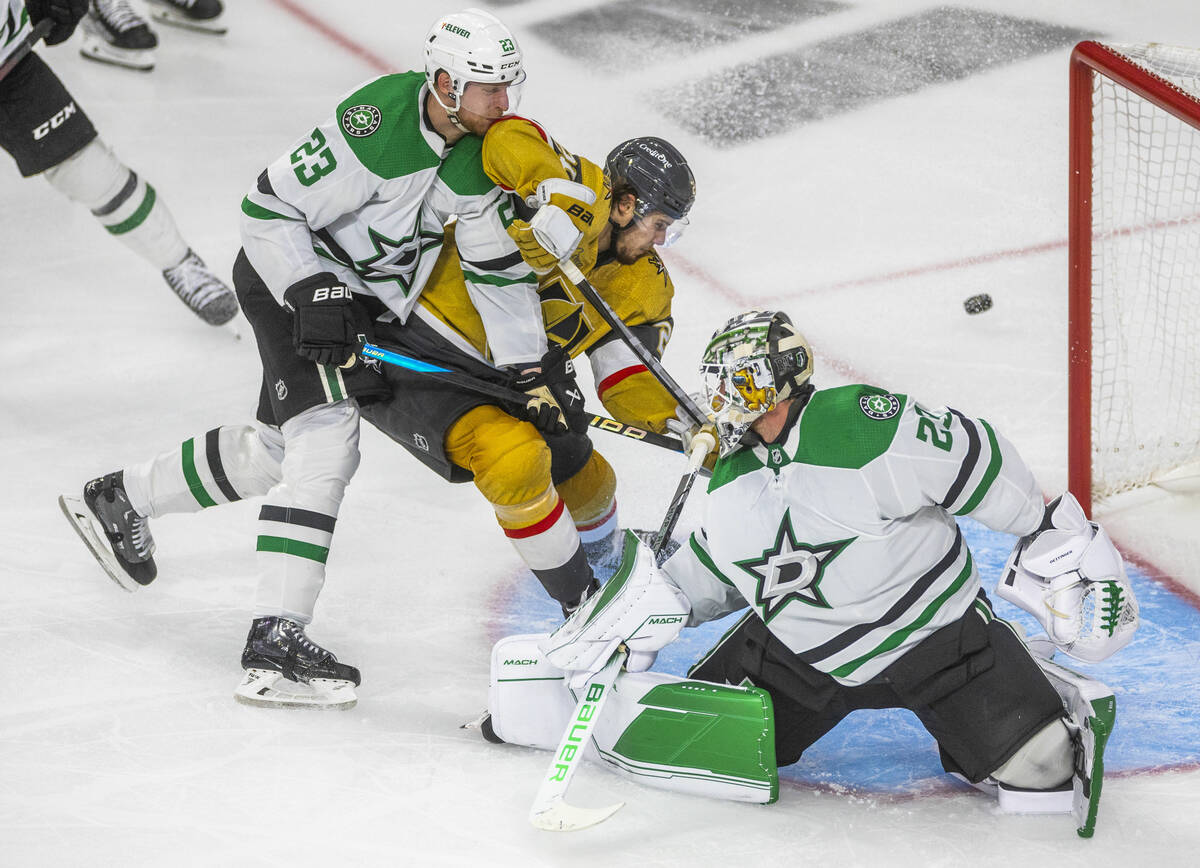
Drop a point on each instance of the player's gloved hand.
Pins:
(688, 431)
(564, 214)
(555, 401)
(327, 320)
(64, 13)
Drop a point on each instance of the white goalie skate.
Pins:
(206, 16)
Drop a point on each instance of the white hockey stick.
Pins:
(550, 811)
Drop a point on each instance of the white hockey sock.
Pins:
(127, 206)
(295, 525)
(226, 464)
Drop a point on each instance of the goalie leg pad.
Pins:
(1091, 714)
(671, 733)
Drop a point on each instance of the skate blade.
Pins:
(215, 26)
(81, 519)
(266, 687)
(93, 48)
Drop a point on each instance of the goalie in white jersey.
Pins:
(831, 516)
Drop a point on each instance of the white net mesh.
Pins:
(1145, 276)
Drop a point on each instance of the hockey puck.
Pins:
(978, 303)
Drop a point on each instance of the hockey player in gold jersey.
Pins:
(553, 494)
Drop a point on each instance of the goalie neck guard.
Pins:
(473, 46)
(751, 363)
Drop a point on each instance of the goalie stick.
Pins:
(39, 32)
(550, 809)
(512, 396)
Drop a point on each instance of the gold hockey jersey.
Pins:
(518, 154)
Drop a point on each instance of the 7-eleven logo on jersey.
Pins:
(791, 570)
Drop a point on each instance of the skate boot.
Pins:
(284, 667)
(483, 723)
(114, 33)
(128, 555)
(206, 16)
(201, 290)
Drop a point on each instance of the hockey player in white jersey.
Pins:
(831, 516)
(48, 134)
(343, 228)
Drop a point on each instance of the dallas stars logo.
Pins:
(791, 570)
(397, 260)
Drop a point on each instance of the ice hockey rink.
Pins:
(919, 157)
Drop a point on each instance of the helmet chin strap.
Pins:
(451, 113)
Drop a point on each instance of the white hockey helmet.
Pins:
(471, 46)
(751, 363)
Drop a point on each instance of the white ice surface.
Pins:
(120, 742)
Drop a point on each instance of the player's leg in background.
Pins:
(48, 133)
(512, 467)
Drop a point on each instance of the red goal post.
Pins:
(1134, 256)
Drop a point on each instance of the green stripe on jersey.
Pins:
(293, 547)
(397, 147)
(494, 280)
(707, 561)
(897, 638)
(138, 217)
(835, 431)
(195, 486)
(258, 212)
(989, 476)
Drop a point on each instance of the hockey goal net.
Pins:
(1134, 382)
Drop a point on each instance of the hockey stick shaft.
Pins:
(647, 358)
(512, 396)
(40, 31)
(549, 810)
(702, 444)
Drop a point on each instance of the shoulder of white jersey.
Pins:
(849, 426)
(380, 122)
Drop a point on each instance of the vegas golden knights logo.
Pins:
(566, 322)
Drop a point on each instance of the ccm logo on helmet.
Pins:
(41, 130)
(658, 155)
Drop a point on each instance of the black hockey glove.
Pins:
(64, 13)
(555, 401)
(326, 319)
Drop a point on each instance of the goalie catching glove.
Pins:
(563, 216)
(1070, 576)
(638, 607)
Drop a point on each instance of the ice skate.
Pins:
(114, 33)
(122, 542)
(207, 16)
(483, 723)
(201, 290)
(286, 668)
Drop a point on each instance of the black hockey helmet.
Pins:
(657, 173)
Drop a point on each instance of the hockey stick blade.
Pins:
(550, 809)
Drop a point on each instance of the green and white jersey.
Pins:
(14, 24)
(367, 194)
(842, 537)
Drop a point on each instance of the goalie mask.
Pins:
(472, 46)
(751, 363)
(658, 176)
